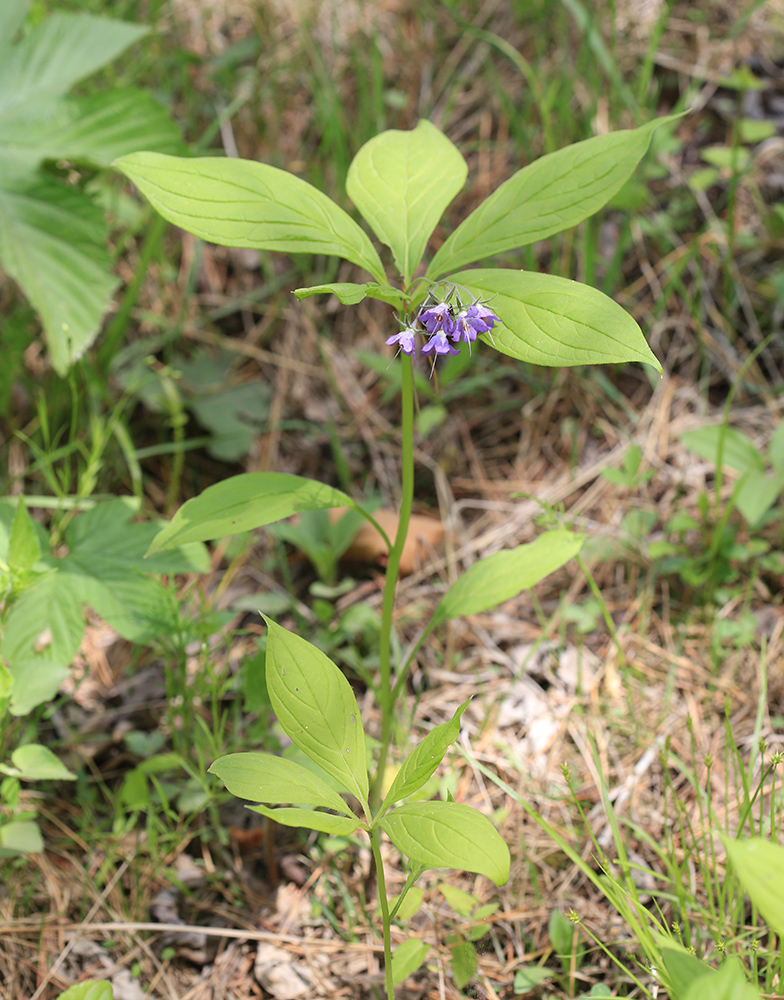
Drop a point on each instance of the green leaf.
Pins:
(401, 182)
(738, 451)
(61, 50)
(88, 991)
(239, 203)
(448, 835)
(422, 762)
(464, 963)
(95, 129)
(338, 826)
(20, 837)
(407, 958)
(24, 549)
(350, 294)
(461, 902)
(684, 969)
(529, 977)
(12, 15)
(52, 243)
(728, 983)
(41, 635)
(262, 777)
(244, 502)
(501, 576)
(760, 868)
(316, 707)
(548, 320)
(756, 493)
(552, 193)
(32, 762)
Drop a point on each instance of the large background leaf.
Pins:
(552, 193)
(548, 320)
(401, 182)
(239, 203)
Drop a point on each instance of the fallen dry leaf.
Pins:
(424, 535)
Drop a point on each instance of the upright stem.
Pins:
(393, 569)
(383, 902)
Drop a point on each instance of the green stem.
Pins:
(393, 570)
(384, 904)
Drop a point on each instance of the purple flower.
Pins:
(471, 321)
(405, 340)
(439, 344)
(437, 319)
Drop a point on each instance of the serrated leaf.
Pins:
(549, 320)
(41, 636)
(407, 958)
(311, 819)
(401, 182)
(244, 502)
(52, 243)
(24, 549)
(350, 294)
(448, 835)
(553, 193)
(262, 777)
(316, 708)
(240, 203)
(61, 50)
(95, 129)
(760, 868)
(33, 762)
(422, 762)
(501, 576)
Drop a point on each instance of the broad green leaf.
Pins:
(316, 707)
(462, 902)
(20, 837)
(552, 193)
(88, 991)
(41, 636)
(756, 494)
(262, 777)
(410, 905)
(95, 129)
(350, 294)
(6, 683)
(52, 243)
(338, 826)
(684, 969)
(32, 762)
(407, 958)
(548, 320)
(738, 450)
(448, 835)
(760, 867)
(401, 182)
(12, 15)
(503, 575)
(529, 977)
(728, 983)
(422, 762)
(240, 203)
(244, 502)
(61, 50)
(776, 447)
(464, 963)
(24, 549)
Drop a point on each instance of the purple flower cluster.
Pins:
(441, 322)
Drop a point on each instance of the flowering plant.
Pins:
(401, 182)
